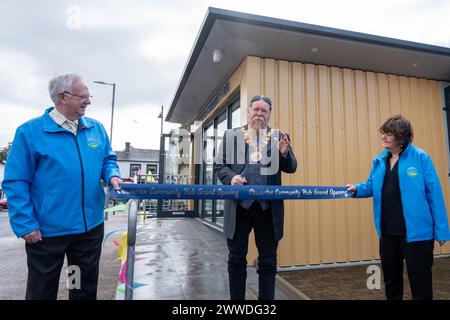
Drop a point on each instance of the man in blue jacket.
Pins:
(55, 196)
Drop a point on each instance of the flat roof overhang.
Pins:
(239, 35)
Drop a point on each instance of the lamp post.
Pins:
(112, 106)
(161, 163)
(161, 116)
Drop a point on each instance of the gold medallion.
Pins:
(256, 156)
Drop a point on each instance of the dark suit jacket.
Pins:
(230, 161)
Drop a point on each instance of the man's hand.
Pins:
(283, 145)
(114, 181)
(238, 180)
(33, 237)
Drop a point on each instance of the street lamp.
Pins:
(161, 116)
(112, 104)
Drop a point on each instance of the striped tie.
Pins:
(71, 126)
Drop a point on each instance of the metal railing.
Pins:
(131, 242)
(168, 178)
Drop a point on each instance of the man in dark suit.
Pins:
(255, 155)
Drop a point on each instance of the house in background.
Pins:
(134, 161)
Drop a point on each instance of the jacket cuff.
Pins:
(112, 174)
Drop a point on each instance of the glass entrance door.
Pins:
(208, 169)
(174, 168)
(213, 210)
(222, 125)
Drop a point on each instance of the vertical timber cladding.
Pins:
(333, 115)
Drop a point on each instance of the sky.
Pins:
(143, 47)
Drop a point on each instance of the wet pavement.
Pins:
(13, 265)
(183, 259)
(177, 259)
(350, 282)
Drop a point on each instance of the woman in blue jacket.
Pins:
(409, 209)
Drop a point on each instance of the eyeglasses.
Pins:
(263, 98)
(387, 134)
(77, 95)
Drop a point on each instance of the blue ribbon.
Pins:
(246, 192)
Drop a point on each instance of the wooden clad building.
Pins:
(331, 90)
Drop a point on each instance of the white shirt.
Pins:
(260, 137)
(62, 121)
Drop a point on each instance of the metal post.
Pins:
(107, 204)
(162, 160)
(112, 106)
(162, 120)
(112, 112)
(131, 242)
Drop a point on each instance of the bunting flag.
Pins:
(112, 232)
(123, 273)
(122, 249)
(134, 285)
(119, 207)
(121, 288)
(123, 277)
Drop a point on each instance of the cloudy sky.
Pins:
(143, 46)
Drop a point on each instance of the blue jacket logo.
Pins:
(412, 172)
(92, 143)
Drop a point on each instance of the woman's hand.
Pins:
(351, 188)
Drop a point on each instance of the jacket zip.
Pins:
(401, 199)
(75, 138)
(383, 161)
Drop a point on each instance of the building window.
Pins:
(208, 167)
(212, 210)
(135, 168)
(235, 117)
(152, 169)
(152, 173)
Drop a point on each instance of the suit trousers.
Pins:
(46, 258)
(261, 221)
(419, 261)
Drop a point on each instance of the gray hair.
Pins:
(61, 83)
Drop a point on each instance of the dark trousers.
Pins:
(419, 261)
(46, 258)
(261, 222)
